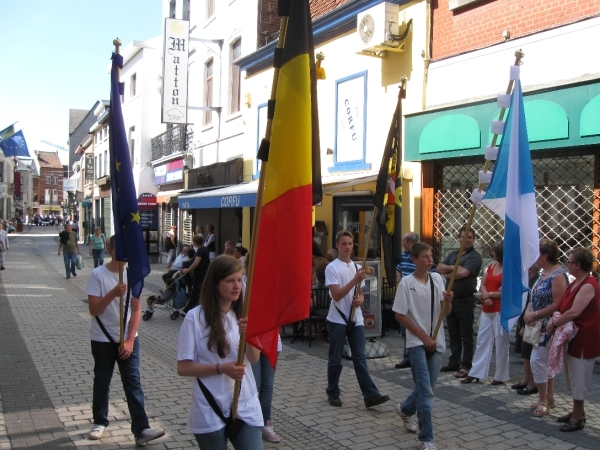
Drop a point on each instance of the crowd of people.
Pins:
(564, 301)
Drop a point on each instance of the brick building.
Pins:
(50, 183)
(473, 43)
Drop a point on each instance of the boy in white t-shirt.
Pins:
(103, 291)
(345, 280)
(418, 305)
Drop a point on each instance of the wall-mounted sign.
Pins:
(175, 71)
(148, 209)
(89, 167)
(170, 172)
(350, 119)
(69, 185)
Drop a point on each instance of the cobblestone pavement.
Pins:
(46, 380)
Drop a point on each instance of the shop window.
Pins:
(235, 81)
(354, 214)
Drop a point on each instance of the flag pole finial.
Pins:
(520, 54)
(117, 43)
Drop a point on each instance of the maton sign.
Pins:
(169, 172)
(175, 71)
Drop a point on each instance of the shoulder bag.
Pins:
(232, 426)
(531, 334)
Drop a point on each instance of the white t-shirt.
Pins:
(101, 281)
(413, 299)
(341, 273)
(193, 340)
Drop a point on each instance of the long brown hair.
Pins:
(219, 269)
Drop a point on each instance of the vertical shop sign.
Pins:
(175, 71)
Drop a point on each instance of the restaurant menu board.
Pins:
(148, 209)
(371, 308)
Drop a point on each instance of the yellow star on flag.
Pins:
(136, 217)
(118, 164)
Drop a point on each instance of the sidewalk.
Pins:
(46, 380)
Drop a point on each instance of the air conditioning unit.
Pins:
(378, 30)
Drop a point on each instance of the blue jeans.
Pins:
(98, 257)
(420, 401)
(105, 355)
(356, 339)
(70, 261)
(264, 375)
(249, 438)
(402, 332)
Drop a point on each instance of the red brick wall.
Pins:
(42, 185)
(481, 24)
(268, 22)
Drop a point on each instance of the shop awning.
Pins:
(168, 196)
(340, 181)
(235, 196)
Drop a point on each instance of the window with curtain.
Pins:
(236, 53)
(208, 91)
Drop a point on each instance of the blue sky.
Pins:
(54, 57)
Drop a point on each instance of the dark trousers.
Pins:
(460, 328)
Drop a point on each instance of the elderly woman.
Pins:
(581, 304)
(545, 298)
(490, 331)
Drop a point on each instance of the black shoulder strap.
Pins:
(211, 400)
(432, 304)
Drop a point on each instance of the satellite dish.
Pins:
(366, 28)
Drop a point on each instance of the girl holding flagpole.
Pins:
(208, 345)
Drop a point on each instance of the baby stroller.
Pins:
(173, 297)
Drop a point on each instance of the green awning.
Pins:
(558, 118)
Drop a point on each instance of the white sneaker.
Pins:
(96, 432)
(148, 435)
(427, 446)
(409, 422)
(269, 434)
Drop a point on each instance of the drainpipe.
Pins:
(427, 52)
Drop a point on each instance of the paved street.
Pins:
(46, 380)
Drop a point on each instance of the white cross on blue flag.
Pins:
(511, 195)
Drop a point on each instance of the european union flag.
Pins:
(14, 145)
(129, 239)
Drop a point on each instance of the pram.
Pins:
(173, 297)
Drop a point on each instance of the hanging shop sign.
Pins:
(175, 71)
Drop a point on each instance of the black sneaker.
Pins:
(403, 364)
(74, 274)
(376, 400)
(334, 400)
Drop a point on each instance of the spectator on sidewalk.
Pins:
(97, 246)
(197, 271)
(103, 291)
(460, 320)
(171, 245)
(4, 246)
(345, 280)
(210, 241)
(67, 241)
(418, 305)
(177, 265)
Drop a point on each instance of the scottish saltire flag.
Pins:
(14, 145)
(511, 195)
(130, 244)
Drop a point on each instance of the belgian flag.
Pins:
(281, 273)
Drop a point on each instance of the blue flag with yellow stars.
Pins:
(129, 239)
(14, 145)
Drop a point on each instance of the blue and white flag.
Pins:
(511, 195)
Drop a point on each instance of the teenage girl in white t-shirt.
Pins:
(208, 350)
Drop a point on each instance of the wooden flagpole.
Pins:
(369, 270)
(117, 43)
(256, 224)
(518, 57)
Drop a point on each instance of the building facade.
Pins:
(50, 184)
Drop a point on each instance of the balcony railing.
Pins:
(173, 141)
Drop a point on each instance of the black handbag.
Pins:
(232, 426)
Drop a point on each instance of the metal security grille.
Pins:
(187, 227)
(567, 195)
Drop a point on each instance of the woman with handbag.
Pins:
(545, 298)
(208, 347)
(490, 329)
(581, 304)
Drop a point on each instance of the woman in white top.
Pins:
(208, 347)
